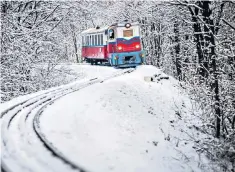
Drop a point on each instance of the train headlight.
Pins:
(127, 25)
(119, 48)
(137, 46)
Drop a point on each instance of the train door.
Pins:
(111, 41)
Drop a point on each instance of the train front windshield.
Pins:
(128, 33)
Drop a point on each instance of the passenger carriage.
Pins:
(118, 44)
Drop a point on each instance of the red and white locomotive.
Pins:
(118, 44)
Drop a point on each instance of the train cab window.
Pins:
(128, 33)
(111, 34)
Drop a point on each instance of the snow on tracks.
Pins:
(24, 146)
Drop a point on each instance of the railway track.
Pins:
(24, 147)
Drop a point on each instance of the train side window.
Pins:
(87, 40)
(90, 40)
(96, 41)
(111, 34)
(93, 40)
(101, 39)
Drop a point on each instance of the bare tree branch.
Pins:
(226, 22)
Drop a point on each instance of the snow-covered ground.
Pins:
(122, 123)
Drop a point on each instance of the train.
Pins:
(118, 45)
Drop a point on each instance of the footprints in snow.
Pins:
(155, 143)
(150, 111)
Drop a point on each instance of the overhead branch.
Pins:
(45, 18)
(219, 17)
(226, 22)
(184, 3)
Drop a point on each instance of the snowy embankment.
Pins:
(125, 124)
(82, 74)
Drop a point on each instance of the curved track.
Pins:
(24, 147)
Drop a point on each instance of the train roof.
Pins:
(124, 23)
(95, 30)
(102, 29)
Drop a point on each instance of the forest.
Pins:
(194, 41)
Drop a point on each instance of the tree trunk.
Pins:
(75, 43)
(215, 84)
(209, 29)
(177, 50)
(205, 43)
(198, 39)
